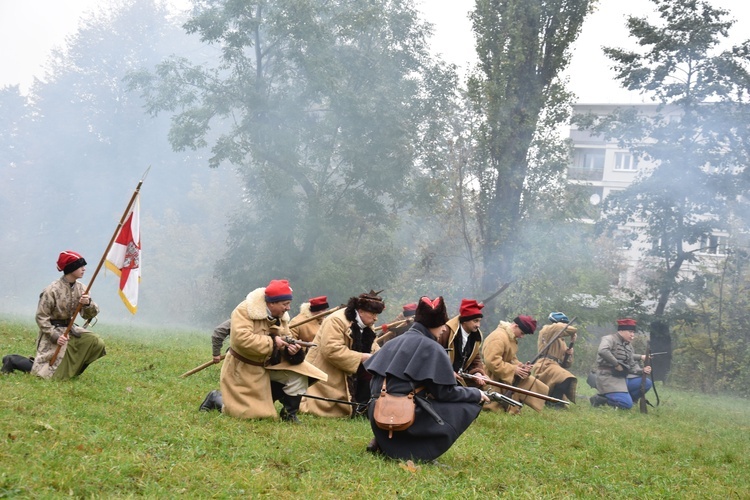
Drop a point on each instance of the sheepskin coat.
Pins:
(550, 368)
(334, 355)
(500, 354)
(306, 332)
(246, 388)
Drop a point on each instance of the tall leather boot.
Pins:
(213, 401)
(290, 409)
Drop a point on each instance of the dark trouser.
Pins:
(13, 362)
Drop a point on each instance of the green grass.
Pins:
(130, 427)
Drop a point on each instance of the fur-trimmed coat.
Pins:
(246, 388)
(335, 355)
(500, 355)
(306, 332)
(550, 368)
(57, 302)
(473, 363)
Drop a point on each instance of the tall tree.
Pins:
(523, 46)
(696, 140)
(77, 145)
(319, 106)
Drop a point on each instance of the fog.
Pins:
(360, 201)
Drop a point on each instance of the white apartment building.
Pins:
(602, 167)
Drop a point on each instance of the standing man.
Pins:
(500, 353)
(57, 303)
(416, 362)
(551, 367)
(345, 340)
(618, 377)
(308, 331)
(260, 366)
(462, 339)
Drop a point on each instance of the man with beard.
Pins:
(416, 362)
(344, 341)
(618, 373)
(500, 354)
(57, 303)
(551, 367)
(260, 366)
(462, 340)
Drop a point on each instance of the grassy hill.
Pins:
(129, 426)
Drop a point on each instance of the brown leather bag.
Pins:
(394, 413)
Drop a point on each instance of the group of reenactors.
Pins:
(335, 362)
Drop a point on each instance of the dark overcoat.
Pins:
(416, 358)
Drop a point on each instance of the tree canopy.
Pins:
(692, 144)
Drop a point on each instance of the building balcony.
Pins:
(585, 174)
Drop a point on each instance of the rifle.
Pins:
(388, 334)
(503, 399)
(646, 362)
(315, 316)
(544, 349)
(511, 388)
(498, 292)
(291, 340)
(566, 358)
(359, 408)
(293, 325)
(201, 367)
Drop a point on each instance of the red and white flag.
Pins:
(124, 258)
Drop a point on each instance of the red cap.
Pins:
(527, 324)
(470, 309)
(278, 291)
(69, 261)
(626, 324)
(410, 309)
(318, 303)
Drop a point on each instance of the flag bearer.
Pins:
(57, 303)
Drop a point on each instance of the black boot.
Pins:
(597, 401)
(290, 409)
(13, 362)
(213, 401)
(374, 447)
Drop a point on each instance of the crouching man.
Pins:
(261, 366)
(415, 361)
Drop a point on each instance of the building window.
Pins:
(713, 244)
(590, 159)
(625, 161)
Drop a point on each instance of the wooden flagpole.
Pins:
(101, 262)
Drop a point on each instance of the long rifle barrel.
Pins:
(543, 350)
(512, 388)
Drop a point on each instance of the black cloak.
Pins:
(416, 358)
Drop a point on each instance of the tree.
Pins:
(712, 337)
(75, 148)
(695, 140)
(318, 104)
(522, 46)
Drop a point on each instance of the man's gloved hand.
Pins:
(621, 370)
